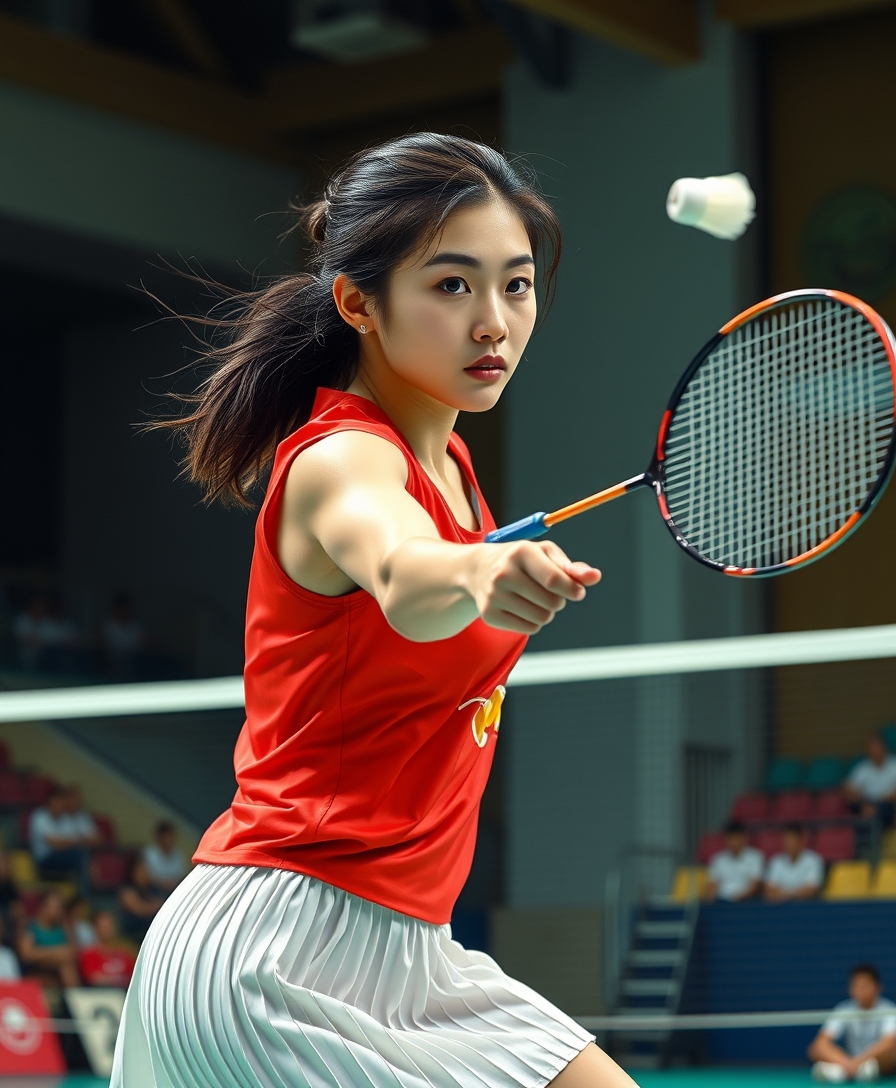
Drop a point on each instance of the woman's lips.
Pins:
(490, 368)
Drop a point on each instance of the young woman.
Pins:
(311, 944)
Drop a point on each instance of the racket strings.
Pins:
(780, 435)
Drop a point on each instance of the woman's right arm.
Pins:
(346, 496)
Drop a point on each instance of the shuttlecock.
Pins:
(722, 206)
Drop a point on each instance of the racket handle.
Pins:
(526, 529)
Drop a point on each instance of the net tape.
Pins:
(548, 667)
(780, 435)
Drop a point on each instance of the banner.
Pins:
(96, 1011)
(26, 1044)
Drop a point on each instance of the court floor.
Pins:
(672, 1078)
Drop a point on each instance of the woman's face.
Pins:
(458, 316)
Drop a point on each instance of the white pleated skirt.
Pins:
(266, 978)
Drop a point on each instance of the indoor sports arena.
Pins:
(286, 796)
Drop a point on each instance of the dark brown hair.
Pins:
(285, 339)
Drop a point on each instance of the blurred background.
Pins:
(140, 133)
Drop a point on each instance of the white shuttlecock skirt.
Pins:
(266, 978)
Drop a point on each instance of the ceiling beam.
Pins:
(120, 83)
(757, 14)
(454, 67)
(664, 30)
(189, 36)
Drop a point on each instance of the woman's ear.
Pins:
(353, 305)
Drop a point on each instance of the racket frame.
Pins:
(537, 525)
(655, 473)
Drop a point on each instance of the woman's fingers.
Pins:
(583, 573)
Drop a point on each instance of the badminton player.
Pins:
(311, 943)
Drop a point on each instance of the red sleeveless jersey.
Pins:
(364, 756)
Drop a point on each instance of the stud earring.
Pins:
(363, 328)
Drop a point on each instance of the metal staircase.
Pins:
(648, 941)
(652, 980)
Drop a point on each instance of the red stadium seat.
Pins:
(12, 789)
(711, 842)
(835, 843)
(750, 806)
(792, 805)
(768, 841)
(5, 759)
(830, 804)
(24, 824)
(106, 827)
(108, 869)
(37, 789)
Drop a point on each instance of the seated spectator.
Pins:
(77, 918)
(868, 1048)
(58, 843)
(45, 639)
(9, 965)
(122, 638)
(735, 873)
(797, 873)
(109, 961)
(871, 786)
(80, 824)
(165, 863)
(12, 909)
(45, 946)
(138, 902)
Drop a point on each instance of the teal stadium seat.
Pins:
(888, 732)
(850, 762)
(784, 773)
(824, 773)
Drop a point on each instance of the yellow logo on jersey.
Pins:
(487, 716)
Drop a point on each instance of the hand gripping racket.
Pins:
(777, 440)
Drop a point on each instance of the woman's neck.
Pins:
(424, 422)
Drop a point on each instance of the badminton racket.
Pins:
(777, 440)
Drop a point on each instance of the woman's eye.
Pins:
(519, 286)
(454, 286)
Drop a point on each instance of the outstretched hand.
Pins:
(523, 585)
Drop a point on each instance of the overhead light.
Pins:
(352, 31)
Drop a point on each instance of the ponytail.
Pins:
(283, 341)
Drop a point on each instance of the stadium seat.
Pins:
(106, 827)
(784, 773)
(824, 773)
(750, 806)
(689, 883)
(109, 869)
(37, 788)
(769, 841)
(835, 843)
(5, 760)
(848, 880)
(24, 824)
(850, 762)
(830, 805)
(12, 789)
(711, 842)
(792, 805)
(888, 732)
(22, 869)
(883, 886)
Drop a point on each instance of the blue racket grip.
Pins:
(527, 529)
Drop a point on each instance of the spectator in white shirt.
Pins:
(61, 838)
(165, 863)
(9, 964)
(797, 873)
(871, 785)
(868, 1048)
(122, 637)
(735, 873)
